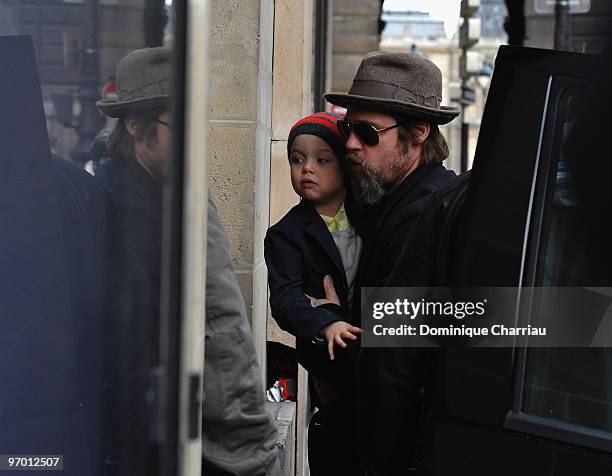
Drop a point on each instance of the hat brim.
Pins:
(438, 116)
(115, 108)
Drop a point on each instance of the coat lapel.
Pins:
(315, 227)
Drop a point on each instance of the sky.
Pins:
(445, 10)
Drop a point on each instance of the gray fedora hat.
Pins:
(401, 83)
(143, 83)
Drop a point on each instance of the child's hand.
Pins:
(335, 332)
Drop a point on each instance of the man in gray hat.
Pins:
(238, 435)
(395, 154)
(142, 133)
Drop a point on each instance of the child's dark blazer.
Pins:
(299, 252)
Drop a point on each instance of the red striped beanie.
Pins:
(323, 125)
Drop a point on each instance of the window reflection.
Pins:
(80, 267)
(138, 147)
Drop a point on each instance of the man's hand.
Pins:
(335, 332)
(331, 297)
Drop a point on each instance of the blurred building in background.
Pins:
(419, 32)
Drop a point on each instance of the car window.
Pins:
(569, 385)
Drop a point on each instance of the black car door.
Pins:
(524, 224)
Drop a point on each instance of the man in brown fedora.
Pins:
(238, 434)
(395, 154)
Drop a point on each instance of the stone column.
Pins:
(292, 99)
(239, 137)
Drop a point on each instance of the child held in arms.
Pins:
(314, 247)
(313, 250)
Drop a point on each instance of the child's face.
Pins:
(316, 174)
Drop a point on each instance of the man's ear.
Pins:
(421, 132)
(131, 125)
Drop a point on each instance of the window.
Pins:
(81, 266)
(571, 385)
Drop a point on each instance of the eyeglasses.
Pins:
(366, 133)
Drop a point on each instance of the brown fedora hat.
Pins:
(400, 83)
(143, 83)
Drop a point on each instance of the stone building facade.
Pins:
(262, 81)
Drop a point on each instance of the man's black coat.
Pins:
(389, 379)
(133, 318)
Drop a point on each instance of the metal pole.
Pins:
(321, 39)
(90, 120)
(515, 22)
(563, 26)
(465, 133)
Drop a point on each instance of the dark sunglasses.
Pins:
(366, 133)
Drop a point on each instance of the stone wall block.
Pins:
(231, 170)
(356, 24)
(356, 7)
(233, 84)
(355, 44)
(235, 30)
(288, 67)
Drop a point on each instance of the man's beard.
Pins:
(154, 159)
(368, 190)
